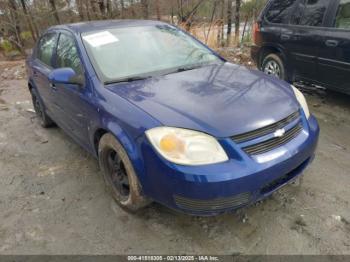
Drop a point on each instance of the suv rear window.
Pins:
(310, 13)
(279, 10)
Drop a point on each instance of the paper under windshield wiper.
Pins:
(127, 79)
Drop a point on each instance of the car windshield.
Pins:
(124, 54)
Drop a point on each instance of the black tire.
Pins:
(44, 120)
(119, 175)
(273, 65)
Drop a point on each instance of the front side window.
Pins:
(310, 13)
(279, 11)
(67, 54)
(119, 53)
(343, 15)
(46, 47)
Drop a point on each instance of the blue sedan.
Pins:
(169, 119)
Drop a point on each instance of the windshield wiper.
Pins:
(127, 79)
(187, 68)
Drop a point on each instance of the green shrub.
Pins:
(26, 35)
(6, 46)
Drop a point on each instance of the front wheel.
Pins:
(273, 65)
(119, 174)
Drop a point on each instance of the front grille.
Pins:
(266, 130)
(271, 186)
(217, 204)
(275, 142)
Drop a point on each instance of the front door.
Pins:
(334, 58)
(71, 101)
(303, 38)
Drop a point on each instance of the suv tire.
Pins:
(273, 65)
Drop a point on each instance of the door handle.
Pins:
(285, 37)
(332, 43)
(53, 86)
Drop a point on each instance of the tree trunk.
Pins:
(237, 21)
(211, 22)
(87, 7)
(17, 29)
(222, 23)
(109, 8)
(94, 9)
(29, 20)
(158, 9)
(122, 11)
(144, 4)
(80, 9)
(101, 5)
(229, 21)
(244, 28)
(54, 11)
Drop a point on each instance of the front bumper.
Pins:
(218, 188)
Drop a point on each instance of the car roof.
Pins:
(83, 27)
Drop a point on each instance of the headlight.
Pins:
(186, 147)
(302, 101)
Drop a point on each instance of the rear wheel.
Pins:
(119, 174)
(273, 65)
(44, 120)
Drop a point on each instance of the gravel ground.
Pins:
(53, 200)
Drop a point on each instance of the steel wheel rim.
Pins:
(118, 175)
(272, 68)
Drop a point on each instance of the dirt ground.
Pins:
(53, 200)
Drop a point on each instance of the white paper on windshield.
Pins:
(100, 39)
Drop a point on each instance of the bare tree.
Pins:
(237, 21)
(29, 19)
(229, 21)
(54, 11)
(122, 8)
(94, 9)
(80, 8)
(157, 9)
(109, 8)
(16, 32)
(102, 7)
(144, 4)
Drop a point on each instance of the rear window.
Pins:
(310, 13)
(279, 11)
(46, 48)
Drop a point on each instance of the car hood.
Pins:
(221, 100)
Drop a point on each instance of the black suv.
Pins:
(305, 40)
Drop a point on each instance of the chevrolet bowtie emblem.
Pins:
(279, 133)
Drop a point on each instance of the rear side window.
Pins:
(343, 15)
(310, 13)
(67, 54)
(46, 48)
(279, 11)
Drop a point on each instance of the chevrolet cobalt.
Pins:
(168, 119)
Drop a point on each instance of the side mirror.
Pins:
(65, 76)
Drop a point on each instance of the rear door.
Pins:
(72, 101)
(334, 57)
(42, 66)
(304, 37)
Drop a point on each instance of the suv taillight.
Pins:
(256, 31)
